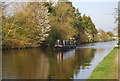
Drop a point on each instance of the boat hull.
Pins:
(66, 47)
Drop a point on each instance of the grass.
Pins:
(108, 68)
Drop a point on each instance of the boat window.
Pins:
(70, 42)
(74, 42)
(59, 42)
(65, 42)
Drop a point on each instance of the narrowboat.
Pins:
(65, 44)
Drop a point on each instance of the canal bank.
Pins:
(108, 68)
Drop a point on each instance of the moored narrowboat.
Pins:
(65, 44)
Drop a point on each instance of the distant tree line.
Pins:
(35, 23)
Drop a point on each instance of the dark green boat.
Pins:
(65, 44)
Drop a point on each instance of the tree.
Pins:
(27, 27)
(86, 28)
(40, 14)
(103, 35)
(110, 33)
(62, 17)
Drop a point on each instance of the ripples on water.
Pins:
(36, 63)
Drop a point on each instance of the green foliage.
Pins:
(110, 34)
(89, 25)
(86, 28)
(36, 22)
(67, 22)
(119, 43)
(103, 36)
(62, 22)
(26, 28)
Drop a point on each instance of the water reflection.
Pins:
(62, 55)
(25, 64)
(38, 63)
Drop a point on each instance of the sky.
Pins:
(101, 13)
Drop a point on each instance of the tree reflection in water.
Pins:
(25, 64)
(36, 63)
(41, 63)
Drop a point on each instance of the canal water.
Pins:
(39, 63)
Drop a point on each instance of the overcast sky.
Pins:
(100, 12)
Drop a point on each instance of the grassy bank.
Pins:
(108, 68)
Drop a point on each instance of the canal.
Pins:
(39, 63)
